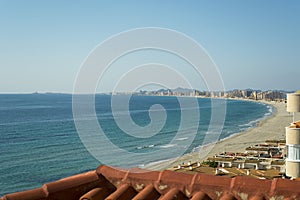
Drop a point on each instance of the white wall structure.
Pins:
(293, 102)
(293, 138)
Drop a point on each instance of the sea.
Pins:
(40, 142)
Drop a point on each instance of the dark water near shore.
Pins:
(39, 142)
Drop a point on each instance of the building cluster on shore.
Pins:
(270, 95)
(268, 156)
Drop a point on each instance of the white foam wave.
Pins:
(183, 138)
(146, 146)
(169, 160)
(168, 146)
(252, 123)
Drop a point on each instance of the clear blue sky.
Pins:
(255, 44)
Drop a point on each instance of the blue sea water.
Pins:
(39, 142)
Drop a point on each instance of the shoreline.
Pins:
(270, 127)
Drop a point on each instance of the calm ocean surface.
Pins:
(39, 142)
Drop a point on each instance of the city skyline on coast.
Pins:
(254, 44)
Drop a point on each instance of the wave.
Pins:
(181, 139)
(251, 123)
(254, 123)
(168, 146)
(39, 121)
(153, 163)
(26, 107)
(146, 146)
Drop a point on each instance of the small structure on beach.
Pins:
(293, 137)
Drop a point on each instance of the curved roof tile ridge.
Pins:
(200, 196)
(97, 193)
(124, 192)
(149, 192)
(118, 183)
(174, 194)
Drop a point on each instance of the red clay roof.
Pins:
(126, 184)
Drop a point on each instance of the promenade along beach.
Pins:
(271, 128)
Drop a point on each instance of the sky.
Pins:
(255, 44)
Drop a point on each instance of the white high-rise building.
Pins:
(293, 137)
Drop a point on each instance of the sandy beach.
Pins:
(270, 128)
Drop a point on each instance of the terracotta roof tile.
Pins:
(257, 197)
(124, 192)
(38, 193)
(97, 194)
(246, 184)
(283, 187)
(227, 196)
(126, 184)
(174, 194)
(73, 187)
(200, 196)
(148, 193)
